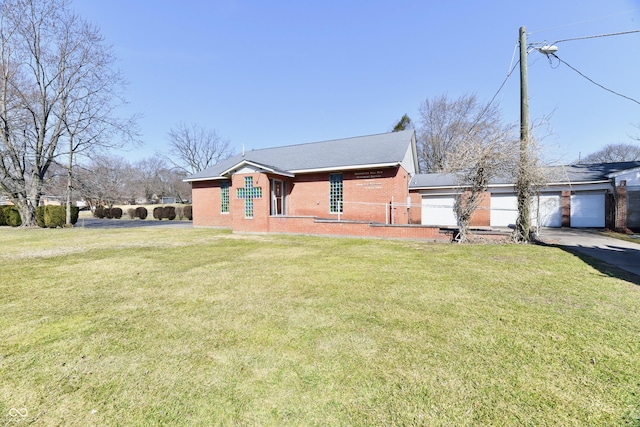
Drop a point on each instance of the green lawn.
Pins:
(199, 327)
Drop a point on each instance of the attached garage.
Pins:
(438, 210)
(587, 210)
(546, 210)
(504, 209)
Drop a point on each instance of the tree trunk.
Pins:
(69, 184)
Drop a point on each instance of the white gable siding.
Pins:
(632, 177)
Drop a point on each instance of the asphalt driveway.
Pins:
(618, 253)
(130, 223)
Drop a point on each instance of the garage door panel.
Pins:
(547, 210)
(438, 210)
(504, 210)
(587, 210)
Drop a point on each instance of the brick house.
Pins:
(370, 186)
(352, 186)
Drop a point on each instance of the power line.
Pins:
(486, 108)
(594, 82)
(597, 36)
(584, 21)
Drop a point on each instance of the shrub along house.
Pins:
(352, 186)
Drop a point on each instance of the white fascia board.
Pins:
(457, 187)
(578, 183)
(210, 178)
(345, 168)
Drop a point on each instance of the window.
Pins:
(335, 193)
(224, 197)
(248, 193)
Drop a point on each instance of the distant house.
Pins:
(370, 186)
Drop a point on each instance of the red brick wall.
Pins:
(482, 215)
(261, 206)
(566, 208)
(416, 208)
(206, 205)
(620, 210)
(367, 195)
(309, 225)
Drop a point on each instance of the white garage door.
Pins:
(587, 210)
(438, 210)
(548, 207)
(504, 210)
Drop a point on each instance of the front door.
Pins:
(277, 197)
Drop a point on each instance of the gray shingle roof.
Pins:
(339, 154)
(556, 174)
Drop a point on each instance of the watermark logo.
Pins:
(18, 412)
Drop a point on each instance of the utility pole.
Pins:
(523, 223)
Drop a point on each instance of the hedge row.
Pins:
(55, 216)
(140, 212)
(159, 212)
(104, 212)
(173, 212)
(46, 216)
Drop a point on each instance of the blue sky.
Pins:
(269, 73)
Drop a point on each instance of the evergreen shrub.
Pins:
(55, 216)
(12, 216)
(40, 216)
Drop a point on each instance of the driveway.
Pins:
(618, 253)
(130, 223)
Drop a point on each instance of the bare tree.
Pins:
(612, 153)
(194, 148)
(445, 127)
(147, 173)
(104, 180)
(55, 86)
(476, 163)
